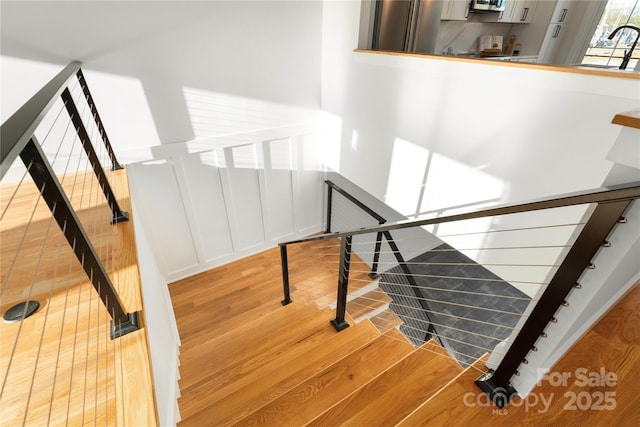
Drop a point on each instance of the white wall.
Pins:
(163, 71)
(206, 204)
(162, 332)
(347, 216)
(442, 135)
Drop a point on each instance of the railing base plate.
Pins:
(120, 218)
(339, 325)
(499, 395)
(123, 328)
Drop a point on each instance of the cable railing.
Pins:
(62, 307)
(489, 289)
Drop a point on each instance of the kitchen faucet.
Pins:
(627, 55)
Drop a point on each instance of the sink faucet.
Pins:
(627, 55)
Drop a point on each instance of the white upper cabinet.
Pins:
(516, 12)
(561, 13)
(455, 10)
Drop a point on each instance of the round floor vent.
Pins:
(20, 311)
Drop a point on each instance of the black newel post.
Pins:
(343, 281)
(284, 260)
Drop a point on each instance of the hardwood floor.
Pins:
(246, 359)
(611, 346)
(60, 366)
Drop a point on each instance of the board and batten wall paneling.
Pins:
(159, 200)
(205, 209)
(202, 175)
(278, 171)
(246, 199)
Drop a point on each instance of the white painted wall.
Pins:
(162, 332)
(347, 216)
(206, 204)
(442, 136)
(170, 71)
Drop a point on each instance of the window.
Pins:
(601, 50)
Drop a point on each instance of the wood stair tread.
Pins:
(368, 303)
(407, 384)
(309, 399)
(213, 316)
(279, 377)
(439, 409)
(236, 347)
(386, 320)
(237, 370)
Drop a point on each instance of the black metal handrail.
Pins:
(340, 312)
(628, 192)
(19, 140)
(611, 205)
(17, 130)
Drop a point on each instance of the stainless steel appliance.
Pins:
(488, 5)
(407, 25)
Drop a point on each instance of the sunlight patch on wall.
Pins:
(248, 156)
(215, 114)
(331, 126)
(451, 184)
(404, 185)
(281, 155)
(213, 158)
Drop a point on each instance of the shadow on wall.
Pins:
(221, 204)
(241, 50)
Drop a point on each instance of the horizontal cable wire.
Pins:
(431, 322)
(435, 276)
(448, 290)
(451, 339)
(512, 229)
(33, 281)
(397, 304)
(15, 191)
(357, 243)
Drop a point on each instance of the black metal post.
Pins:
(61, 209)
(329, 201)
(284, 260)
(118, 214)
(431, 330)
(376, 255)
(94, 112)
(602, 221)
(343, 282)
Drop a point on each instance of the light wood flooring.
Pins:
(59, 366)
(246, 359)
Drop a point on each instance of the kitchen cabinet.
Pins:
(552, 40)
(556, 32)
(515, 12)
(455, 10)
(561, 12)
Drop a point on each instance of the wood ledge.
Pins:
(629, 119)
(514, 64)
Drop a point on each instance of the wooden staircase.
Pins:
(246, 359)
(290, 367)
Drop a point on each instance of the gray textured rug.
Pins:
(470, 308)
